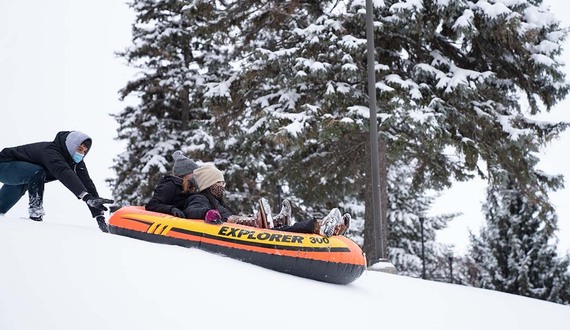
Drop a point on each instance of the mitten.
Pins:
(177, 213)
(102, 224)
(213, 216)
(97, 202)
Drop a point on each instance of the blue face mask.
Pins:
(77, 157)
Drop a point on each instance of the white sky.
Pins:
(58, 72)
(65, 277)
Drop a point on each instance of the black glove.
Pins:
(102, 224)
(177, 213)
(97, 202)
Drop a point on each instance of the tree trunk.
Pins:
(184, 109)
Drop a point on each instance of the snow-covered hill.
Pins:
(61, 276)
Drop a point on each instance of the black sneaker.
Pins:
(40, 218)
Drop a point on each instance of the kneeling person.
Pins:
(28, 167)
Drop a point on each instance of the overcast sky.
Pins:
(58, 72)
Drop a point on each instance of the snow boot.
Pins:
(341, 228)
(284, 216)
(265, 214)
(36, 213)
(329, 224)
(251, 221)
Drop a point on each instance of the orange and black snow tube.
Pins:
(335, 260)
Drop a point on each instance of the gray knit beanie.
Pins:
(207, 175)
(76, 138)
(182, 164)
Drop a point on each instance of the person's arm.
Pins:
(77, 182)
(197, 206)
(226, 213)
(83, 175)
(162, 198)
(56, 164)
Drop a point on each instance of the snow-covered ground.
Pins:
(59, 275)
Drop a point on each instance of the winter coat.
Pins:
(168, 194)
(54, 157)
(198, 204)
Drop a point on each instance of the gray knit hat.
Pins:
(207, 175)
(182, 164)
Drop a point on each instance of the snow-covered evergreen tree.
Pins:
(177, 54)
(449, 75)
(516, 250)
(407, 207)
(288, 104)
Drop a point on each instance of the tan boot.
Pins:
(341, 228)
(265, 213)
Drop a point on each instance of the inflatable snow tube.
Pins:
(334, 260)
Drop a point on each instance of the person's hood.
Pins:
(70, 141)
(74, 139)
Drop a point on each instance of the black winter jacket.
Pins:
(168, 194)
(58, 164)
(198, 204)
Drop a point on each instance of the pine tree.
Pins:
(450, 76)
(516, 251)
(407, 208)
(276, 90)
(175, 50)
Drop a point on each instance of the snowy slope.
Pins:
(61, 276)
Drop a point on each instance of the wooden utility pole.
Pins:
(379, 247)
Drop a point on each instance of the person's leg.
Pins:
(265, 213)
(245, 220)
(36, 186)
(17, 177)
(10, 195)
(305, 227)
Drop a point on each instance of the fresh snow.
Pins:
(58, 276)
